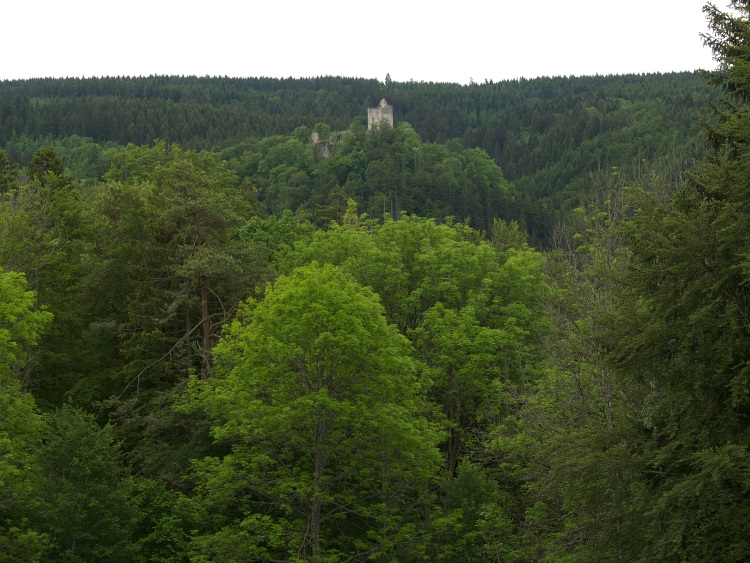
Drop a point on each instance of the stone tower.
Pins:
(376, 116)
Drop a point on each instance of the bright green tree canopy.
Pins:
(321, 398)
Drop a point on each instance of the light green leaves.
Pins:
(322, 401)
(20, 324)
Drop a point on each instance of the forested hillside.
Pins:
(256, 346)
(549, 135)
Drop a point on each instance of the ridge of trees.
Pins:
(548, 134)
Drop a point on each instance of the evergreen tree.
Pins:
(688, 335)
(46, 160)
(43, 227)
(7, 172)
(659, 468)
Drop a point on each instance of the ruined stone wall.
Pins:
(382, 113)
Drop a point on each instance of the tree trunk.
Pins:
(315, 525)
(206, 325)
(319, 460)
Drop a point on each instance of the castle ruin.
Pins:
(376, 116)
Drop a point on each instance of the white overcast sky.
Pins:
(431, 41)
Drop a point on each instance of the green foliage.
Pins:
(42, 230)
(20, 328)
(22, 544)
(687, 336)
(7, 172)
(85, 160)
(578, 483)
(634, 445)
(85, 511)
(324, 130)
(45, 160)
(187, 272)
(322, 403)
(159, 523)
(165, 275)
(475, 315)
(549, 134)
(336, 208)
(472, 525)
(410, 388)
(20, 324)
(687, 341)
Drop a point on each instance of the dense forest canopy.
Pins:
(511, 327)
(547, 134)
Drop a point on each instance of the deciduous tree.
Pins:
(322, 402)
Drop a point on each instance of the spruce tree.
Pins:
(683, 333)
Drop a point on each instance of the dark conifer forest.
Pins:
(239, 322)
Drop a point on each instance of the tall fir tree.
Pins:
(682, 334)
